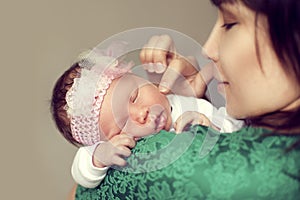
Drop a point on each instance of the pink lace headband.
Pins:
(84, 99)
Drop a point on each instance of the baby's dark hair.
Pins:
(58, 102)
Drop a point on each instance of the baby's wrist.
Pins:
(98, 163)
(95, 161)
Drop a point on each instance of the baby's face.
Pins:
(134, 106)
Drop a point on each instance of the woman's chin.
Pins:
(236, 114)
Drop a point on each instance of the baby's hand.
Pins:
(172, 72)
(159, 51)
(190, 118)
(114, 151)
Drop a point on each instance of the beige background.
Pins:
(39, 40)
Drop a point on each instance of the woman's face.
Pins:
(134, 106)
(250, 87)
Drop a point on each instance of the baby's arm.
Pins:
(91, 163)
(84, 172)
(221, 121)
(200, 111)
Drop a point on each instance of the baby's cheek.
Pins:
(107, 133)
(135, 130)
(169, 123)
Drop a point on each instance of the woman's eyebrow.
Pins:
(228, 8)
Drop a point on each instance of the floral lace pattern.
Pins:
(242, 165)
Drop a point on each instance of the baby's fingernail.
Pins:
(164, 86)
(150, 67)
(145, 66)
(163, 89)
(160, 68)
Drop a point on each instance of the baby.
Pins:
(98, 103)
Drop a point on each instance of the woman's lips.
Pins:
(223, 82)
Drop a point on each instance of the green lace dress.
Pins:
(201, 164)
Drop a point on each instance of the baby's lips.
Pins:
(161, 122)
(137, 130)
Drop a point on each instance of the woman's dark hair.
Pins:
(58, 102)
(284, 29)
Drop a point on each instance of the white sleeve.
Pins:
(226, 123)
(218, 117)
(83, 170)
(182, 104)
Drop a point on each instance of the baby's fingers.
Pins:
(123, 140)
(159, 49)
(182, 123)
(128, 141)
(156, 68)
(121, 153)
(119, 161)
(190, 118)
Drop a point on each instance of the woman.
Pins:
(256, 47)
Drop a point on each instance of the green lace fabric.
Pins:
(201, 164)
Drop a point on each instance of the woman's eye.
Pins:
(228, 26)
(134, 96)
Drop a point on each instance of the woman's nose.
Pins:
(211, 46)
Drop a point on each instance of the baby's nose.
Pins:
(140, 115)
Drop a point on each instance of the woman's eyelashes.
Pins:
(228, 26)
(134, 96)
(229, 18)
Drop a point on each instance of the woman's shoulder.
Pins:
(204, 164)
(247, 138)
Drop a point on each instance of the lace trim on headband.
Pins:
(85, 97)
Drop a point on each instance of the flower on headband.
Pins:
(84, 99)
